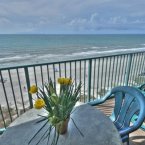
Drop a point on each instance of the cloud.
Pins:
(77, 16)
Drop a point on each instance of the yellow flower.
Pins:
(39, 103)
(33, 89)
(60, 80)
(67, 81)
(64, 81)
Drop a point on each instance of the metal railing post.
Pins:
(28, 86)
(128, 70)
(89, 78)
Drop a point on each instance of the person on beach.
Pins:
(24, 88)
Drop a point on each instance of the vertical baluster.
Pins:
(28, 86)
(85, 81)
(80, 77)
(35, 75)
(80, 71)
(20, 90)
(89, 78)
(106, 73)
(98, 76)
(6, 97)
(116, 71)
(54, 76)
(14, 97)
(134, 69)
(42, 79)
(123, 69)
(2, 116)
(109, 67)
(59, 70)
(140, 65)
(113, 64)
(128, 69)
(143, 68)
(70, 70)
(102, 67)
(119, 70)
(48, 72)
(94, 78)
(75, 74)
(65, 70)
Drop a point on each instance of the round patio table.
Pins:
(95, 129)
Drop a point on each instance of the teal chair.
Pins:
(129, 101)
(142, 88)
(134, 118)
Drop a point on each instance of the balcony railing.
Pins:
(97, 74)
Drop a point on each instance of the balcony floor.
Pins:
(137, 137)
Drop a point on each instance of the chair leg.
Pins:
(127, 143)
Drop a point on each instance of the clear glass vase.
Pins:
(62, 126)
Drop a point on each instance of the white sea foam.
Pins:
(47, 56)
(14, 57)
(35, 58)
(106, 51)
(143, 44)
(99, 47)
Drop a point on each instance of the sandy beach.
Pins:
(105, 73)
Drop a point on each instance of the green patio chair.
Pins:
(129, 101)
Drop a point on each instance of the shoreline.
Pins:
(60, 58)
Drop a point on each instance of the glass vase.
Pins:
(62, 126)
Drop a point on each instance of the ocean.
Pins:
(31, 49)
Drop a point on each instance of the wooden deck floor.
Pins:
(137, 137)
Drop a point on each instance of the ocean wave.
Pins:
(28, 58)
(142, 44)
(99, 47)
(41, 58)
(106, 51)
(47, 56)
(15, 58)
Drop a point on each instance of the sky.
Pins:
(72, 16)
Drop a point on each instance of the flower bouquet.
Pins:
(58, 105)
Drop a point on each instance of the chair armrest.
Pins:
(125, 131)
(129, 129)
(102, 100)
(2, 130)
(133, 120)
(141, 86)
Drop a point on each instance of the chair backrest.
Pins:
(128, 101)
